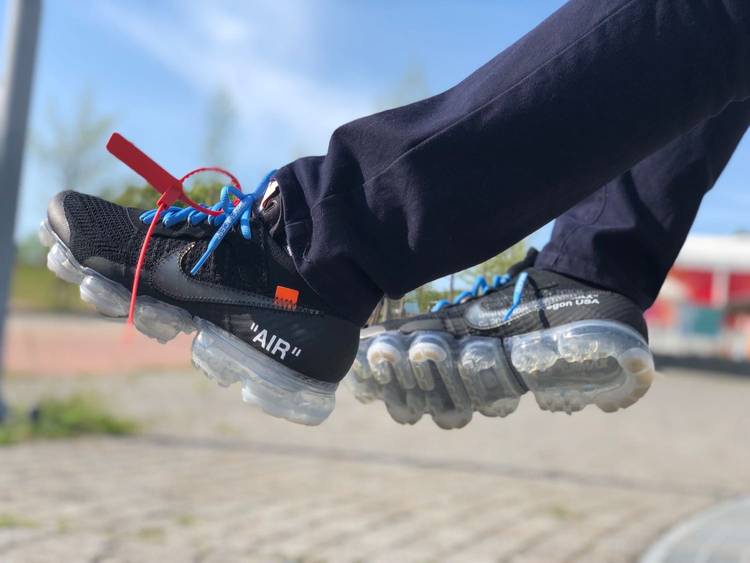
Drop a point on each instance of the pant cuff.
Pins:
(316, 238)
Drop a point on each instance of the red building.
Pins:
(704, 306)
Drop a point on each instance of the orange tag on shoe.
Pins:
(286, 295)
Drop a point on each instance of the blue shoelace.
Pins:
(241, 211)
(481, 287)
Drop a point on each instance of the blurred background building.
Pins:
(704, 307)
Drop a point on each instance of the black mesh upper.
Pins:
(107, 238)
(541, 285)
(103, 229)
(100, 228)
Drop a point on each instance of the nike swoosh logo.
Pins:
(477, 316)
(169, 278)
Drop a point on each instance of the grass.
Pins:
(11, 521)
(151, 533)
(185, 519)
(63, 526)
(72, 416)
(561, 512)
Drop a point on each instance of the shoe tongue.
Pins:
(272, 213)
(524, 264)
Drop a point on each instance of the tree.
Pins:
(144, 196)
(426, 296)
(496, 266)
(73, 149)
(221, 119)
(411, 87)
(30, 251)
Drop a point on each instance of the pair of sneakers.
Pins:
(259, 324)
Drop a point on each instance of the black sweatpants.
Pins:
(614, 115)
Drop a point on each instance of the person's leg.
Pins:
(410, 194)
(569, 327)
(626, 236)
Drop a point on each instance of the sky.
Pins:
(293, 69)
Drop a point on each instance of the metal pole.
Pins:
(22, 29)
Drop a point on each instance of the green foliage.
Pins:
(138, 196)
(221, 126)
(151, 534)
(494, 266)
(185, 519)
(31, 252)
(71, 144)
(423, 298)
(426, 296)
(13, 521)
(76, 415)
(411, 87)
(144, 197)
(205, 193)
(35, 288)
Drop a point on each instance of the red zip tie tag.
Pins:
(162, 181)
(167, 185)
(138, 161)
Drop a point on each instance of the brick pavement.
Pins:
(213, 480)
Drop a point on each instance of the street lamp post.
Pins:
(22, 29)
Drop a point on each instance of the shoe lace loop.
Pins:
(234, 210)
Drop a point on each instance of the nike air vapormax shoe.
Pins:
(566, 342)
(257, 321)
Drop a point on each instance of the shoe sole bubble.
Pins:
(265, 383)
(566, 368)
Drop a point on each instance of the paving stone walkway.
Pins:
(213, 480)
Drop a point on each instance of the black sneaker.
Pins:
(568, 343)
(257, 321)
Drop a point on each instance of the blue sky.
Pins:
(295, 69)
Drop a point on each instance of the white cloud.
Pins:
(259, 52)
